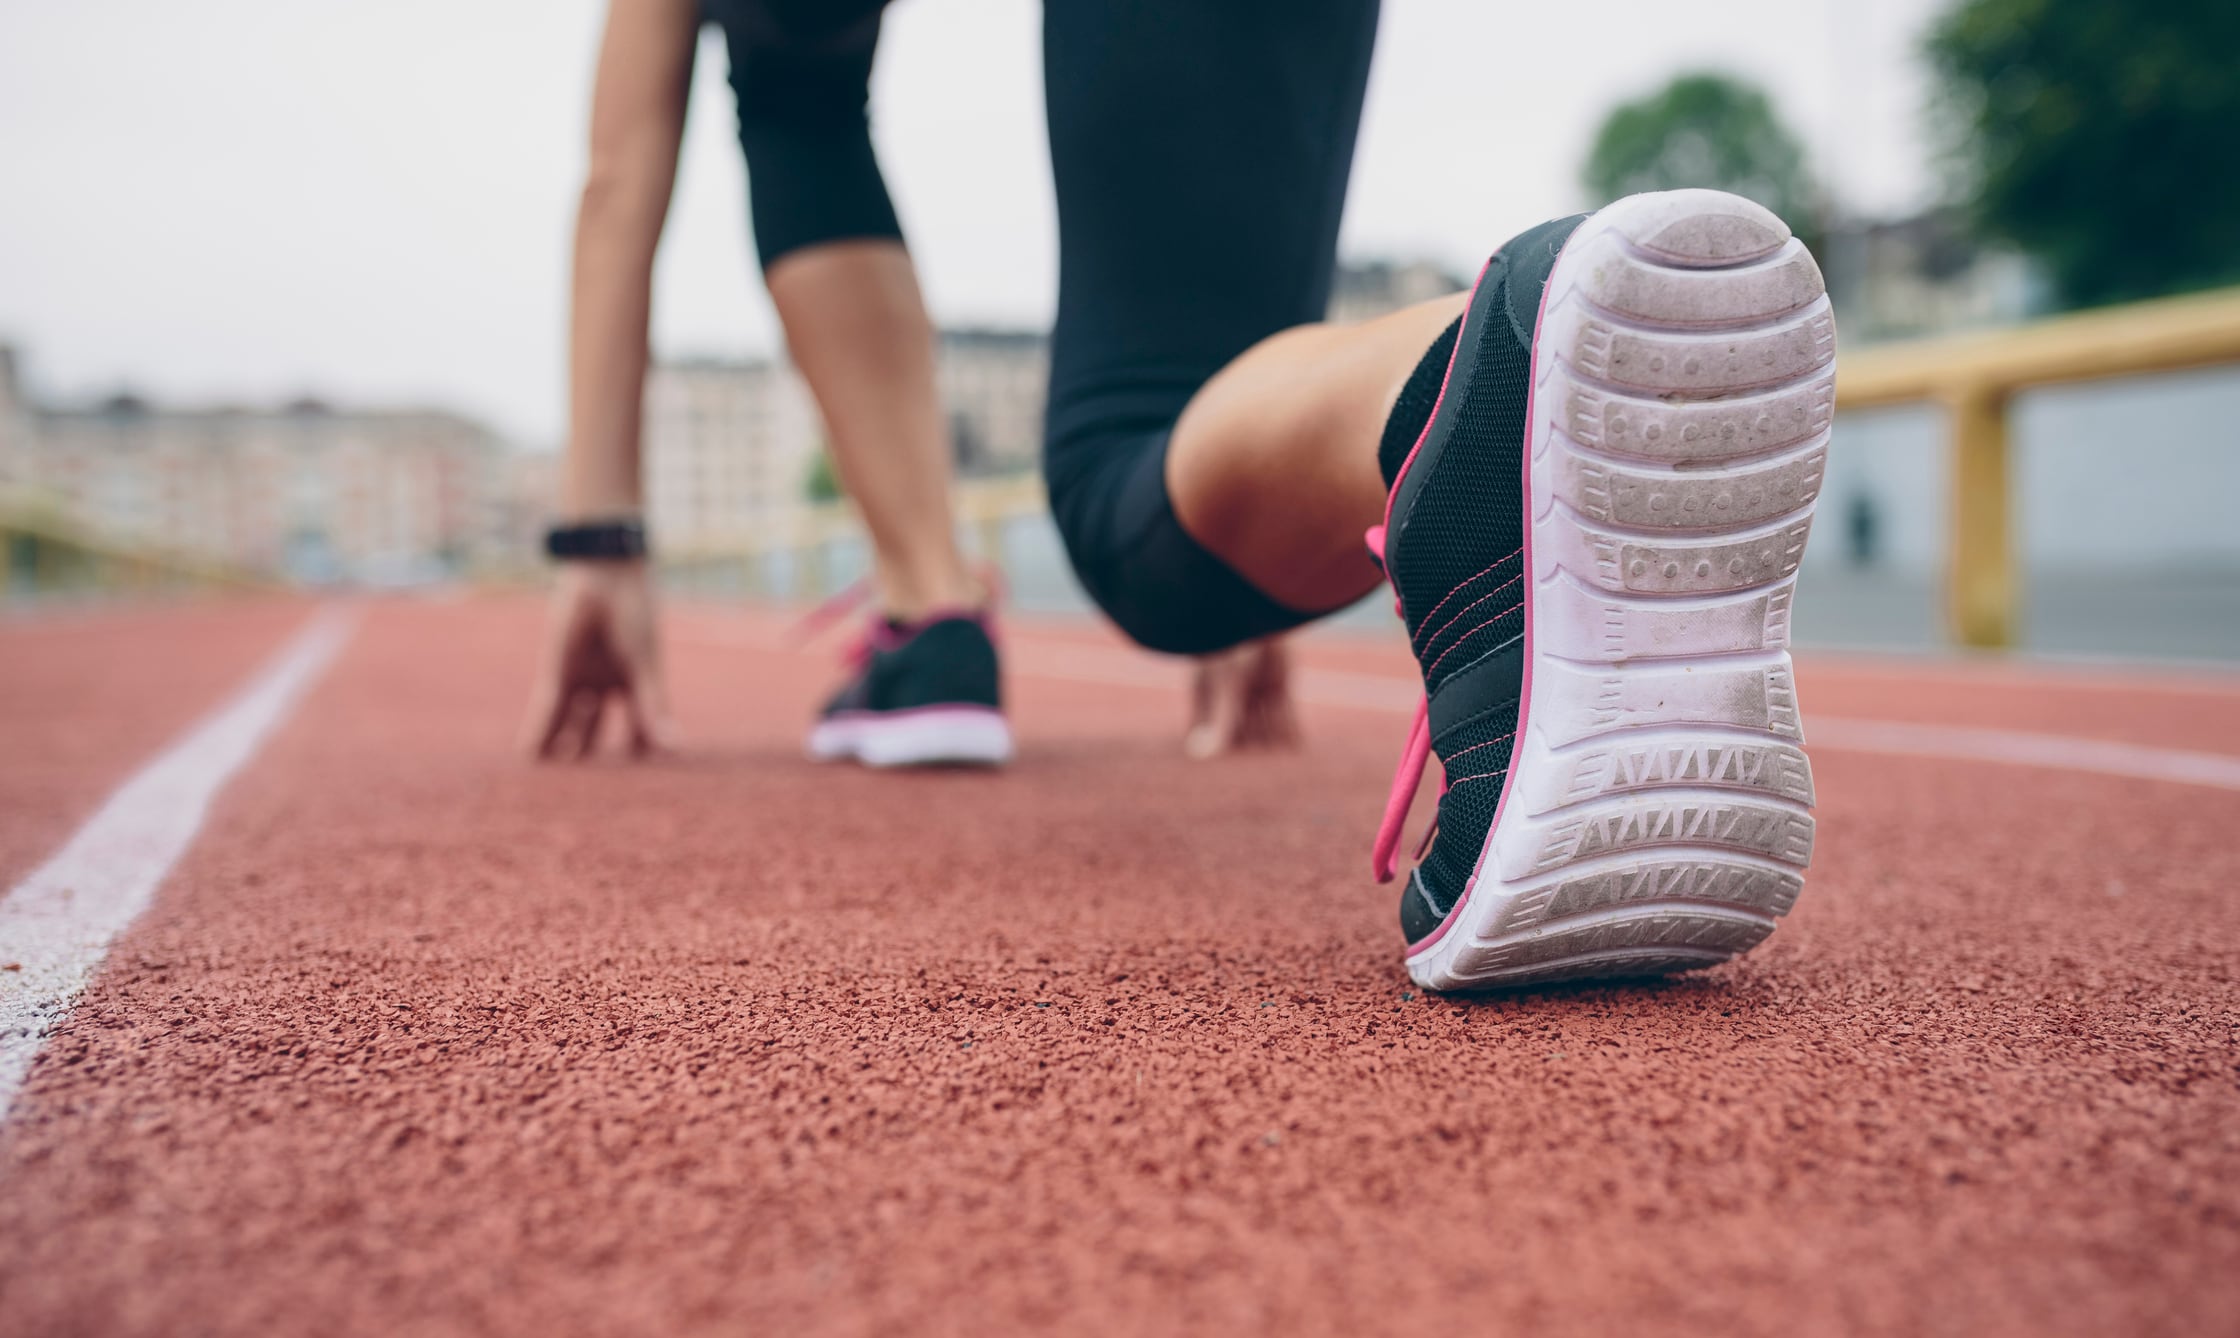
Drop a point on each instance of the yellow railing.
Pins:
(1975, 376)
(42, 554)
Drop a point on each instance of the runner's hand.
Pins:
(603, 643)
(1241, 698)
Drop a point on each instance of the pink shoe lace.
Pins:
(1384, 856)
(877, 633)
(849, 598)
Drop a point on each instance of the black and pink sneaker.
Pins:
(1601, 483)
(927, 693)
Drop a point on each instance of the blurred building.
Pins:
(528, 500)
(1909, 277)
(305, 490)
(728, 447)
(730, 444)
(15, 417)
(993, 383)
(1365, 289)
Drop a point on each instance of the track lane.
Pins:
(57, 924)
(88, 696)
(422, 1038)
(2191, 711)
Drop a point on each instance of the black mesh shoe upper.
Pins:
(947, 661)
(1454, 550)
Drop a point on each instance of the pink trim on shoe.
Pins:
(1452, 354)
(830, 610)
(1384, 854)
(880, 634)
(1524, 694)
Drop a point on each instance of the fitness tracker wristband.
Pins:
(596, 541)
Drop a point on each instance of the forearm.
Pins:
(637, 121)
(618, 227)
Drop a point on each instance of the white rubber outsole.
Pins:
(1658, 814)
(965, 736)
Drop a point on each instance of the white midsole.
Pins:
(950, 736)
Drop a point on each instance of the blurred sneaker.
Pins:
(926, 693)
(1601, 486)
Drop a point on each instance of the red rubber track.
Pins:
(421, 1039)
(87, 697)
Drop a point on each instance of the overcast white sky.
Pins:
(245, 199)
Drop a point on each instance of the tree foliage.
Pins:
(822, 482)
(2101, 137)
(1704, 129)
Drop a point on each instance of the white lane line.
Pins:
(1386, 693)
(1965, 743)
(1849, 734)
(57, 924)
(2064, 752)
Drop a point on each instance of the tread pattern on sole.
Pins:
(1659, 819)
(1593, 626)
(1646, 759)
(1680, 433)
(1659, 811)
(1712, 499)
(1641, 564)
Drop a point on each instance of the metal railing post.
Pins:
(1974, 376)
(1981, 589)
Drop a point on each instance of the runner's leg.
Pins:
(833, 258)
(1201, 154)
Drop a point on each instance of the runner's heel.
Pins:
(1659, 815)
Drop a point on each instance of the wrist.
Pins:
(606, 539)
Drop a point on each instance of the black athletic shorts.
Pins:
(1200, 149)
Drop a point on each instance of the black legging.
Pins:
(1200, 148)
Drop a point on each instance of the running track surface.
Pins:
(418, 1038)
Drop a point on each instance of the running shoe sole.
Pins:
(1658, 811)
(934, 736)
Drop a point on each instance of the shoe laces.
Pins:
(850, 597)
(881, 633)
(1407, 779)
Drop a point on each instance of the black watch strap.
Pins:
(596, 541)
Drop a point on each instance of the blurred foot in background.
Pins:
(1240, 699)
(924, 693)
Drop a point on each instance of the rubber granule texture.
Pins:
(421, 1039)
